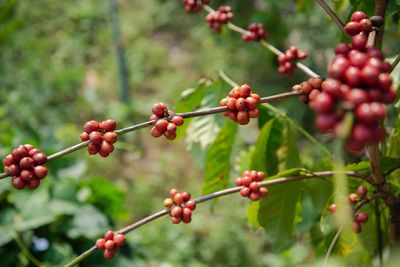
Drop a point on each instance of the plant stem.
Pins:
(159, 214)
(332, 14)
(25, 250)
(395, 62)
(197, 113)
(264, 43)
(340, 230)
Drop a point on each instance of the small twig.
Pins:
(332, 14)
(341, 228)
(197, 113)
(211, 196)
(264, 43)
(227, 79)
(25, 250)
(395, 62)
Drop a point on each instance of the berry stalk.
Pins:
(332, 14)
(159, 214)
(198, 113)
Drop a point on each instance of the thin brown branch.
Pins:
(197, 113)
(332, 14)
(265, 44)
(211, 196)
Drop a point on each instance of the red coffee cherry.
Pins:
(255, 32)
(332, 208)
(251, 189)
(100, 243)
(361, 217)
(180, 206)
(222, 16)
(356, 227)
(108, 125)
(39, 158)
(91, 126)
(288, 60)
(110, 137)
(194, 6)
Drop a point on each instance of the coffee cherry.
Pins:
(255, 32)
(323, 103)
(109, 235)
(288, 60)
(332, 208)
(19, 153)
(119, 239)
(100, 243)
(33, 184)
(84, 136)
(8, 160)
(105, 149)
(108, 254)
(18, 183)
(170, 135)
(96, 138)
(191, 204)
(155, 132)
(376, 21)
(108, 125)
(361, 217)
(353, 198)
(168, 202)
(39, 158)
(358, 16)
(26, 175)
(264, 191)
(194, 6)
(356, 227)
(40, 172)
(215, 20)
(362, 191)
(110, 137)
(243, 117)
(26, 163)
(13, 170)
(325, 122)
(177, 120)
(93, 149)
(178, 199)
(159, 109)
(245, 192)
(352, 28)
(91, 126)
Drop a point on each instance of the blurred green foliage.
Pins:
(58, 69)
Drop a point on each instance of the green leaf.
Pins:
(289, 151)
(203, 130)
(190, 100)
(393, 141)
(218, 164)
(252, 213)
(58, 254)
(265, 156)
(387, 164)
(89, 222)
(265, 115)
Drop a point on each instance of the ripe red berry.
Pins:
(108, 254)
(110, 137)
(356, 227)
(33, 184)
(39, 158)
(119, 239)
(332, 208)
(245, 191)
(352, 28)
(18, 183)
(173, 192)
(93, 149)
(105, 149)
(84, 136)
(108, 125)
(353, 198)
(170, 135)
(191, 204)
(155, 132)
(358, 16)
(323, 102)
(26, 175)
(325, 122)
(178, 120)
(100, 243)
(40, 172)
(26, 163)
(185, 196)
(176, 211)
(159, 109)
(96, 138)
(18, 153)
(161, 125)
(361, 217)
(255, 196)
(178, 199)
(91, 126)
(109, 235)
(168, 202)
(362, 191)
(243, 117)
(8, 160)
(263, 191)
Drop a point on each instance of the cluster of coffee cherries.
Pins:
(180, 206)
(215, 20)
(166, 121)
(255, 32)
(194, 6)
(25, 165)
(251, 189)
(287, 61)
(241, 104)
(101, 136)
(359, 81)
(354, 198)
(311, 88)
(361, 24)
(110, 244)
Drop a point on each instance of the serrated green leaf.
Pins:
(218, 165)
(265, 156)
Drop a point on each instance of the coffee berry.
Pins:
(110, 243)
(101, 136)
(25, 165)
(354, 198)
(166, 122)
(311, 88)
(287, 61)
(241, 104)
(194, 6)
(359, 82)
(222, 16)
(180, 206)
(255, 32)
(250, 188)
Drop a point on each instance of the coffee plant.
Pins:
(354, 113)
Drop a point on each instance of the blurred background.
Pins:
(63, 63)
